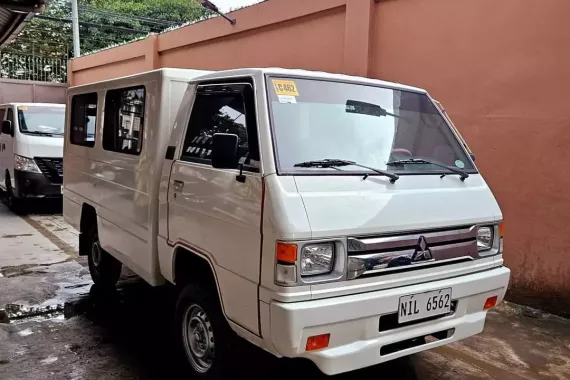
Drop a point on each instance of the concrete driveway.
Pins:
(56, 325)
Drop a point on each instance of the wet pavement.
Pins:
(55, 324)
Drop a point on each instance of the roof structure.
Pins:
(14, 14)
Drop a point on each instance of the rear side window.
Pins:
(2, 113)
(124, 120)
(83, 120)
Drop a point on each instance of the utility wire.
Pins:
(70, 38)
(128, 17)
(102, 26)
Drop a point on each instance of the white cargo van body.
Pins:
(31, 150)
(121, 182)
(336, 218)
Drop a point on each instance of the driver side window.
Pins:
(222, 109)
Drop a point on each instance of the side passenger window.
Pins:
(2, 114)
(223, 109)
(124, 120)
(83, 119)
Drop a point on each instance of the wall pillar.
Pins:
(151, 58)
(357, 38)
(70, 72)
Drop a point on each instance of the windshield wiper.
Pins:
(331, 163)
(463, 175)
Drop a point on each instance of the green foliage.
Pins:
(177, 11)
(42, 49)
(136, 18)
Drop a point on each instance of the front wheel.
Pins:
(14, 204)
(105, 269)
(204, 335)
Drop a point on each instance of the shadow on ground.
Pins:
(137, 319)
(37, 206)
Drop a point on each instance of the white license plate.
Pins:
(424, 305)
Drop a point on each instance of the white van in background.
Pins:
(333, 218)
(31, 151)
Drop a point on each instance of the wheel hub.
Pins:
(198, 338)
(96, 254)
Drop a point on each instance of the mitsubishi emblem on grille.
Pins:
(422, 252)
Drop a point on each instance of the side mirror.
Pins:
(224, 151)
(7, 128)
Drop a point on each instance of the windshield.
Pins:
(41, 120)
(370, 126)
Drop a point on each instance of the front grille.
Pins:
(52, 168)
(377, 255)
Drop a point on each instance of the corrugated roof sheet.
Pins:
(13, 17)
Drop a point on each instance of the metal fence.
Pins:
(31, 67)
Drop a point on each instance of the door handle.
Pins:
(178, 185)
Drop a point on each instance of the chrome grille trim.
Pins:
(388, 254)
(398, 241)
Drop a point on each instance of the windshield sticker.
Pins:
(287, 99)
(285, 87)
(460, 164)
(22, 108)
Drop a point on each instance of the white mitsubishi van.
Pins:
(31, 151)
(327, 217)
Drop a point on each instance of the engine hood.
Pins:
(351, 206)
(39, 146)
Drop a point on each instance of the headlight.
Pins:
(317, 259)
(25, 164)
(485, 238)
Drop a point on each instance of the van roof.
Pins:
(204, 74)
(309, 74)
(187, 74)
(33, 104)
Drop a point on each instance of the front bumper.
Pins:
(34, 185)
(353, 322)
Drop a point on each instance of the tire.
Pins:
(207, 344)
(105, 269)
(14, 204)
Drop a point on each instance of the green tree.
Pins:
(46, 43)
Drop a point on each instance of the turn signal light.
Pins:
(317, 342)
(501, 229)
(286, 253)
(491, 302)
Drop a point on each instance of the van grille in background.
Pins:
(52, 168)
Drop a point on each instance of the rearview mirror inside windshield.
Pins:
(363, 108)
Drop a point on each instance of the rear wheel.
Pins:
(205, 337)
(105, 269)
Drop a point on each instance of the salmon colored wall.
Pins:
(499, 68)
(118, 69)
(112, 63)
(320, 32)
